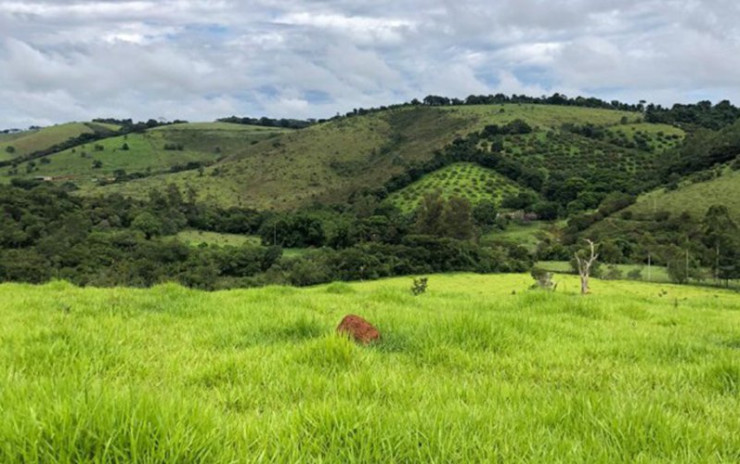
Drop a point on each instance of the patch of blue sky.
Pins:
(317, 97)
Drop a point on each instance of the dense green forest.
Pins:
(396, 204)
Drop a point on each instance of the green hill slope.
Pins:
(466, 180)
(542, 116)
(279, 169)
(328, 162)
(694, 198)
(162, 149)
(30, 141)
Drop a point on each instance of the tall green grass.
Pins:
(477, 369)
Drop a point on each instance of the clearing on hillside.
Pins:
(164, 149)
(695, 198)
(26, 142)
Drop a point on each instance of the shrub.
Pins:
(612, 273)
(543, 279)
(419, 286)
(635, 274)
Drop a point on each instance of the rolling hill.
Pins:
(694, 197)
(325, 162)
(19, 144)
(162, 149)
(280, 169)
(328, 162)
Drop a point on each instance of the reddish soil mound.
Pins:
(358, 328)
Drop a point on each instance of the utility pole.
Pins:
(649, 269)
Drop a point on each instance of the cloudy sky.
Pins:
(63, 60)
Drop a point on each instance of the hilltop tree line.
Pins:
(702, 114)
(270, 122)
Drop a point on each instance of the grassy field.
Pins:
(465, 180)
(220, 126)
(196, 237)
(657, 274)
(478, 369)
(541, 116)
(695, 198)
(147, 153)
(528, 235)
(34, 140)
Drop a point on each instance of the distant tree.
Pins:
(484, 213)
(97, 164)
(612, 273)
(522, 200)
(680, 264)
(429, 214)
(635, 274)
(546, 210)
(125, 147)
(149, 224)
(457, 219)
(10, 149)
(721, 236)
(610, 252)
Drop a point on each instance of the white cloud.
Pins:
(198, 59)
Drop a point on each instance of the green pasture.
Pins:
(477, 369)
(145, 154)
(694, 198)
(39, 139)
(528, 235)
(219, 126)
(541, 116)
(198, 237)
(657, 274)
(151, 152)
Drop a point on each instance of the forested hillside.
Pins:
(420, 187)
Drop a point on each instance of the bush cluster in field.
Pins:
(466, 372)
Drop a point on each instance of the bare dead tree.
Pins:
(584, 266)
